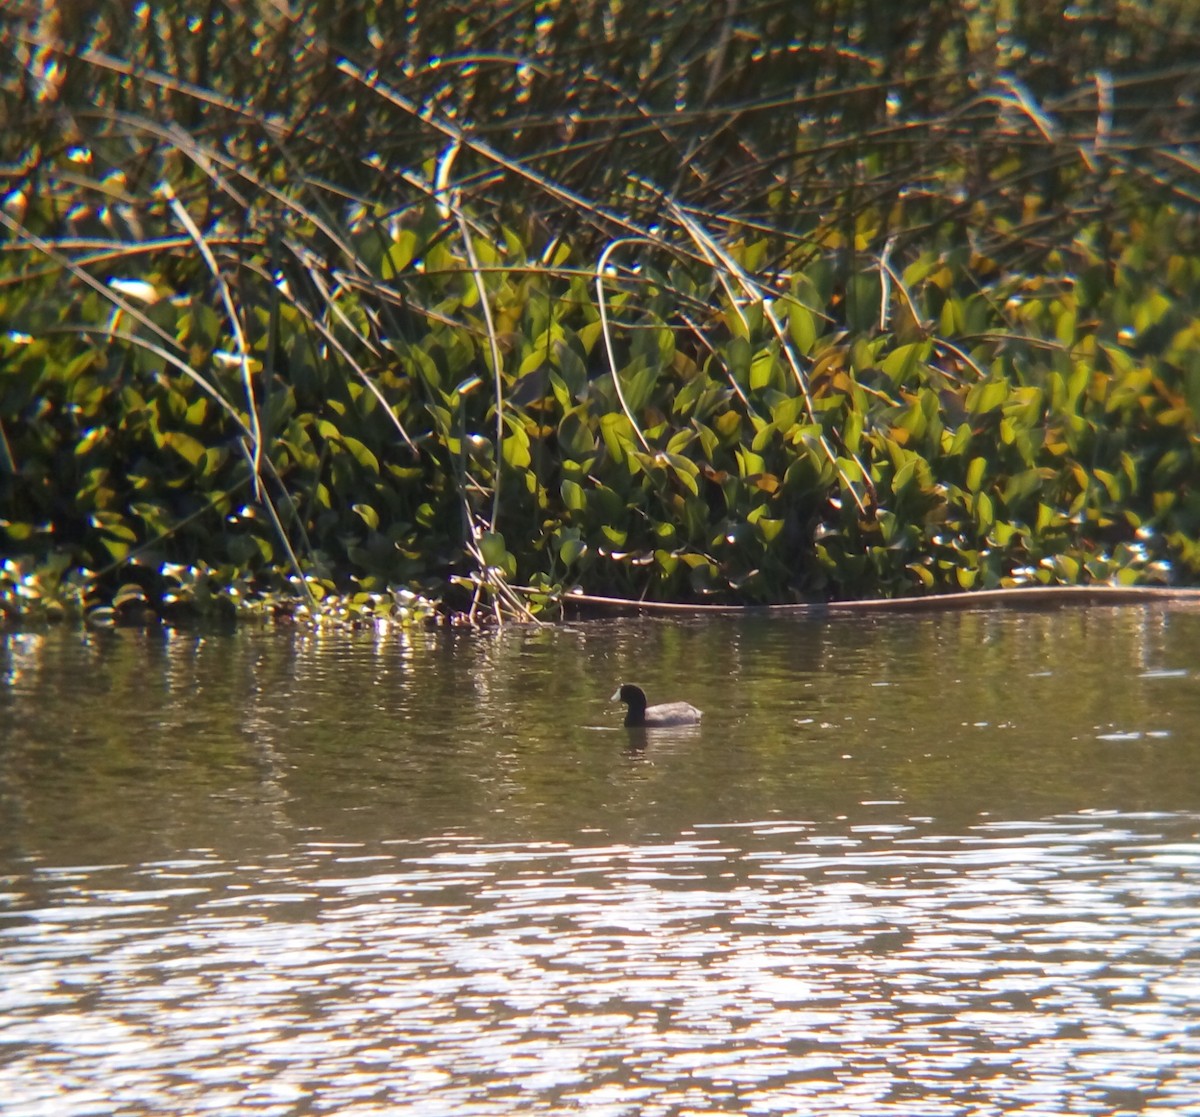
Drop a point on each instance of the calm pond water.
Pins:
(906, 865)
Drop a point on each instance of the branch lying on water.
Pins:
(1020, 597)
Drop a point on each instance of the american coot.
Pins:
(639, 714)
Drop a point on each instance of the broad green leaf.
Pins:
(1111, 483)
(618, 435)
(904, 476)
(361, 453)
(534, 361)
(571, 550)
(574, 436)
(902, 363)
(762, 370)
(588, 335)
(400, 254)
(708, 440)
(952, 321)
(737, 357)
(802, 328)
(1149, 311)
(192, 450)
(852, 432)
(573, 495)
(118, 549)
(1002, 533)
(849, 468)
(749, 463)
(93, 438)
(638, 380)
(975, 473)
(681, 440)
(614, 536)
(368, 515)
(922, 573)
(114, 525)
(212, 460)
(197, 412)
(769, 529)
(1066, 568)
(666, 561)
(1064, 326)
(729, 426)
(960, 440)
(515, 447)
(493, 549)
(987, 396)
(686, 471)
(984, 513)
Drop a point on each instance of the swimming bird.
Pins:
(639, 714)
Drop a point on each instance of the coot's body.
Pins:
(640, 715)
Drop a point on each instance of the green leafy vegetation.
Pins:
(357, 310)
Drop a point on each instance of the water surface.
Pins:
(938, 865)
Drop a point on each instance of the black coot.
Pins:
(639, 714)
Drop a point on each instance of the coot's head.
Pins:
(633, 697)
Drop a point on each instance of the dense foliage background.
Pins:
(730, 302)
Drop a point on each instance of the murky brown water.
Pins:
(938, 865)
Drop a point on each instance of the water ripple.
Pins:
(1048, 966)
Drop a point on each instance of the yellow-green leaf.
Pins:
(361, 454)
(975, 474)
(573, 495)
(368, 515)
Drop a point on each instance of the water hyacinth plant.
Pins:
(486, 304)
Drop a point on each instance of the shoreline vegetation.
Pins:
(473, 313)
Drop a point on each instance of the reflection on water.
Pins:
(764, 967)
(936, 866)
